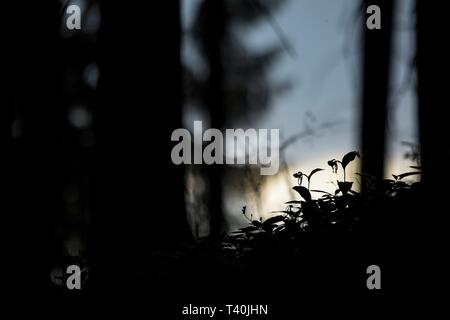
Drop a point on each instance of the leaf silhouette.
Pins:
(404, 175)
(320, 191)
(304, 192)
(257, 223)
(349, 157)
(345, 186)
(314, 171)
(247, 229)
(273, 220)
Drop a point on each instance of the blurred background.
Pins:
(89, 114)
(296, 66)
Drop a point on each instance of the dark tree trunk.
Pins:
(432, 74)
(216, 103)
(376, 75)
(432, 71)
(33, 122)
(139, 192)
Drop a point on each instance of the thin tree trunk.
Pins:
(376, 75)
(215, 100)
(432, 71)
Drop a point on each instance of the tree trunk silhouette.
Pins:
(216, 104)
(33, 123)
(139, 192)
(235, 86)
(376, 68)
(432, 78)
(432, 71)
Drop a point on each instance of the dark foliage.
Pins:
(318, 248)
(306, 222)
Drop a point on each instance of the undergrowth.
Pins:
(305, 223)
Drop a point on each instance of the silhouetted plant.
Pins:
(330, 215)
(299, 175)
